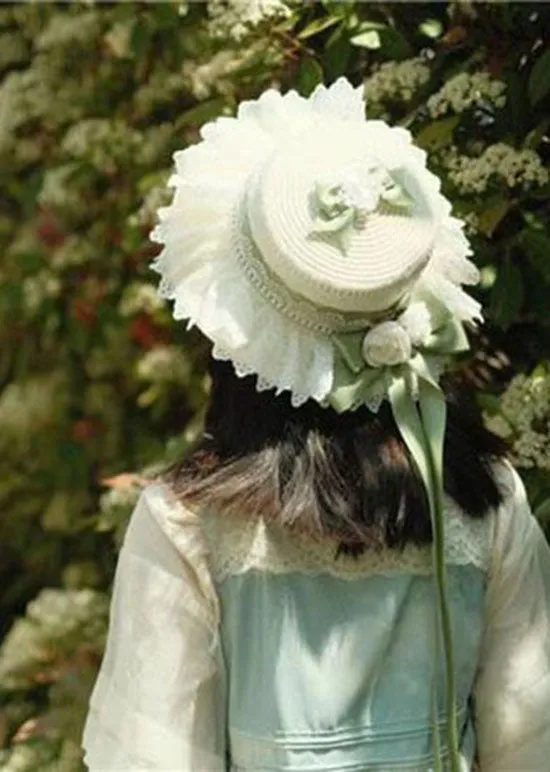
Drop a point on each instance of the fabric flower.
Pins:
(387, 344)
(416, 320)
(345, 200)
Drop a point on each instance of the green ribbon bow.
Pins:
(419, 408)
(340, 210)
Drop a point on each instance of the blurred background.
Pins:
(99, 389)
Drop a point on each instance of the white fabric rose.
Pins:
(416, 320)
(387, 344)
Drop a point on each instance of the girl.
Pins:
(341, 576)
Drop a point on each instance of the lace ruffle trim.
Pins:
(238, 545)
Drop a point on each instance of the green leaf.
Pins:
(492, 215)
(139, 39)
(507, 294)
(369, 24)
(537, 135)
(318, 25)
(201, 113)
(309, 75)
(30, 261)
(432, 28)
(542, 511)
(394, 45)
(337, 54)
(437, 134)
(369, 39)
(539, 80)
(537, 247)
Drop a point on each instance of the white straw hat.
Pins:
(300, 219)
(387, 250)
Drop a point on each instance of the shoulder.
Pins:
(171, 536)
(514, 527)
(181, 525)
(514, 513)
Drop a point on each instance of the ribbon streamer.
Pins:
(422, 427)
(420, 412)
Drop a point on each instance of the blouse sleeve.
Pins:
(512, 694)
(159, 697)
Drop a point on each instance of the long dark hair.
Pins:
(347, 475)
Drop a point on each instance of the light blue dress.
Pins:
(331, 674)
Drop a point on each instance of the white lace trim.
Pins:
(238, 545)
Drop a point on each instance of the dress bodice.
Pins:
(333, 674)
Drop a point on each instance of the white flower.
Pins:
(498, 164)
(139, 297)
(524, 419)
(237, 18)
(464, 91)
(387, 344)
(396, 81)
(416, 320)
(164, 364)
(360, 192)
(38, 289)
(208, 77)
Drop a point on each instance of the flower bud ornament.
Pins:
(387, 344)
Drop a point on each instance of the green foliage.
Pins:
(99, 389)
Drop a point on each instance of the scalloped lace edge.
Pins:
(238, 545)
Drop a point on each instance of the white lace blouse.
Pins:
(159, 700)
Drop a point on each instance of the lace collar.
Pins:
(237, 545)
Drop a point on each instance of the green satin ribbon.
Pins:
(355, 383)
(419, 408)
(422, 426)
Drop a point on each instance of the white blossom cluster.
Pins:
(162, 87)
(213, 76)
(524, 419)
(30, 407)
(235, 19)
(29, 757)
(117, 503)
(154, 143)
(164, 364)
(40, 92)
(471, 223)
(57, 622)
(396, 81)
(69, 29)
(464, 91)
(102, 142)
(74, 250)
(160, 195)
(139, 297)
(39, 288)
(500, 164)
(112, 355)
(57, 191)
(23, 96)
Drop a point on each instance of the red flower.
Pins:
(84, 312)
(146, 333)
(48, 231)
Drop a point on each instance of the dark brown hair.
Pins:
(346, 475)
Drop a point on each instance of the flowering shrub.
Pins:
(99, 389)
